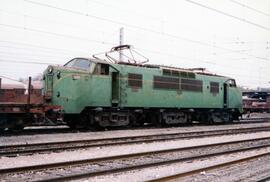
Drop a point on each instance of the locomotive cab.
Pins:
(55, 74)
(80, 82)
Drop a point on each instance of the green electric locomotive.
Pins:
(96, 92)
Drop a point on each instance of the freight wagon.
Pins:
(18, 108)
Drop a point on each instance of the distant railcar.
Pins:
(93, 92)
(256, 101)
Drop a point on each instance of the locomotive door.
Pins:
(115, 88)
(225, 95)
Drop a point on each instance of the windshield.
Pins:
(79, 63)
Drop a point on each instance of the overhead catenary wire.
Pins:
(26, 62)
(38, 18)
(141, 28)
(126, 11)
(84, 27)
(251, 8)
(9, 78)
(12, 53)
(77, 26)
(35, 46)
(55, 34)
(229, 15)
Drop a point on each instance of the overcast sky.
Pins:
(228, 37)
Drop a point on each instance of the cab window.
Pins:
(83, 64)
(102, 69)
(232, 83)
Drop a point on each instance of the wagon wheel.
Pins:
(135, 120)
(2, 130)
(207, 118)
(17, 124)
(16, 128)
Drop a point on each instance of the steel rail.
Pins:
(212, 167)
(10, 150)
(27, 169)
(265, 179)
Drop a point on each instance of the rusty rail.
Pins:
(212, 167)
(14, 150)
(69, 164)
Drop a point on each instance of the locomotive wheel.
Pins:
(133, 121)
(17, 124)
(155, 119)
(206, 118)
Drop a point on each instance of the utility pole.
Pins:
(121, 42)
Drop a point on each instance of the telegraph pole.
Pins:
(121, 42)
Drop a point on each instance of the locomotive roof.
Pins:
(200, 71)
(140, 61)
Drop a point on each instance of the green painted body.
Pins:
(76, 90)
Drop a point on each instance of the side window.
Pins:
(102, 69)
(214, 87)
(232, 83)
(135, 80)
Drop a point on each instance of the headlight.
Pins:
(50, 69)
(58, 74)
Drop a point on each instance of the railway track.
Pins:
(25, 149)
(178, 176)
(265, 179)
(65, 129)
(94, 167)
